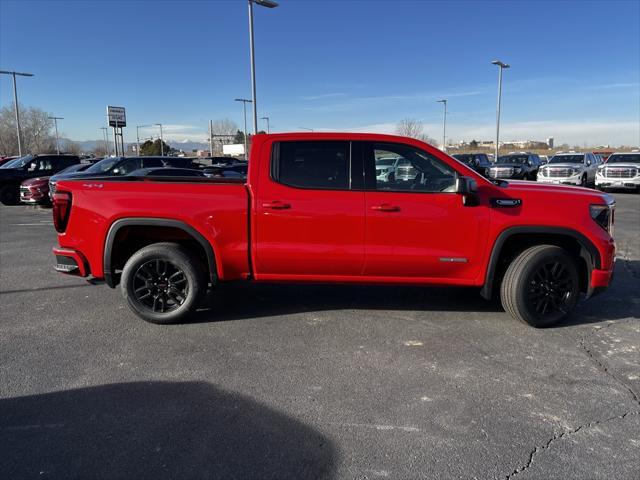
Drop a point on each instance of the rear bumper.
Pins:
(70, 262)
(600, 281)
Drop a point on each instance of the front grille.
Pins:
(500, 172)
(559, 172)
(620, 172)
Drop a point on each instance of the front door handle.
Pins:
(276, 205)
(385, 207)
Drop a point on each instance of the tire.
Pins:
(540, 286)
(163, 283)
(9, 195)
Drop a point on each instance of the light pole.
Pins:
(244, 106)
(501, 66)
(55, 121)
(267, 119)
(444, 125)
(262, 3)
(105, 131)
(306, 128)
(161, 140)
(15, 101)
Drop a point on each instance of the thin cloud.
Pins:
(324, 96)
(613, 86)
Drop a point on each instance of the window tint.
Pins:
(312, 164)
(152, 163)
(415, 170)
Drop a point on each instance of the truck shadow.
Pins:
(240, 301)
(156, 430)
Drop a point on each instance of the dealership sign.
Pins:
(117, 117)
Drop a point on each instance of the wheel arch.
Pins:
(513, 240)
(190, 233)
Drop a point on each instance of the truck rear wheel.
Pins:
(540, 286)
(163, 283)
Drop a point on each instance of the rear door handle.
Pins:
(385, 207)
(276, 205)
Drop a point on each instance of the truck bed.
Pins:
(216, 208)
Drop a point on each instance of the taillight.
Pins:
(61, 210)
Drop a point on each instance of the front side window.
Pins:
(321, 165)
(415, 170)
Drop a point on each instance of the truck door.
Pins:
(416, 225)
(309, 218)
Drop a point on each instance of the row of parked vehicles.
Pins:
(32, 179)
(618, 171)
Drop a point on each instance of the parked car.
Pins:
(13, 173)
(118, 166)
(516, 166)
(622, 170)
(386, 168)
(570, 168)
(312, 210)
(478, 161)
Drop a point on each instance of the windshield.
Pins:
(18, 162)
(103, 165)
(628, 158)
(513, 159)
(567, 159)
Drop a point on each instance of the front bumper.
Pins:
(70, 262)
(573, 180)
(606, 182)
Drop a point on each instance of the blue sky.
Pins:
(332, 65)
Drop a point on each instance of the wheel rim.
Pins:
(160, 286)
(551, 289)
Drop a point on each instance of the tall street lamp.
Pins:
(444, 125)
(501, 66)
(55, 121)
(267, 119)
(262, 3)
(15, 101)
(161, 140)
(244, 106)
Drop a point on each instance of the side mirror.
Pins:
(467, 187)
(588, 163)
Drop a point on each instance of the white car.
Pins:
(622, 170)
(386, 168)
(571, 168)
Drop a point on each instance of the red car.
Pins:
(4, 160)
(313, 210)
(35, 191)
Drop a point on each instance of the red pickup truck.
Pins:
(320, 207)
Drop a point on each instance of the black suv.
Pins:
(13, 173)
(478, 161)
(517, 166)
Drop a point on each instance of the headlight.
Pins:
(542, 172)
(517, 169)
(601, 214)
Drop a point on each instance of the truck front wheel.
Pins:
(163, 283)
(540, 286)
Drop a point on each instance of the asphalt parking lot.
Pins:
(312, 381)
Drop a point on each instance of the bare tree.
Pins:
(224, 127)
(71, 147)
(35, 127)
(409, 127)
(100, 150)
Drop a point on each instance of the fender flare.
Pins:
(153, 222)
(588, 252)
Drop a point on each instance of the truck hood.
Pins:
(577, 166)
(622, 165)
(517, 187)
(507, 165)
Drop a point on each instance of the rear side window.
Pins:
(322, 165)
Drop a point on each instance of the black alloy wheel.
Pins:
(160, 285)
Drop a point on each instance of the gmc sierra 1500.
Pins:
(313, 210)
